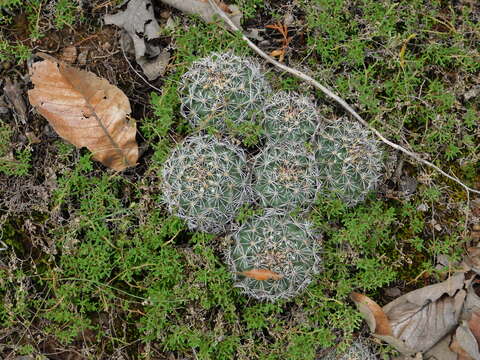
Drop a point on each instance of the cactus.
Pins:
(274, 243)
(359, 350)
(285, 176)
(349, 160)
(289, 116)
(222, 89)
(205, 183)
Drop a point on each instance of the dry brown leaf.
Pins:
(375, 317)
(261, 274)
(421, 318)
(472, 302)
(474, 325)
(14, 95)
(140, 30)
(203, 9)
(472, 260)
(85, 110)
(467, 339)
(442, 350)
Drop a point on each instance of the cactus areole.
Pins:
(205, 183)
(349, 161)
(279, 244)
(222, 89)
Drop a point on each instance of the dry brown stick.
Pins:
(338, 99)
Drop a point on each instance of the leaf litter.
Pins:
(203, 9)
(139, 24)
(440, 321)
(85, 110)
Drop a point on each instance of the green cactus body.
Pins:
(349, 161)
(278, 243)
(289, 116)
(285, 176)
(222, 89)
(205, 183)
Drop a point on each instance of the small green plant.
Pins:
(250, 7)
(205, 182)
(6, 7)
(13, 51)
(65, 13)
(278, 243)
(290, 116)
(12, 162)
(222, 88)
(285, 176)
(349, 161)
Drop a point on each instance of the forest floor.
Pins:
(92, 265)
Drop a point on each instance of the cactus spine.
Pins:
(289, 116)
(349, 160)
(222, 89)
(285, 176)
(205, 182)
(278, 243)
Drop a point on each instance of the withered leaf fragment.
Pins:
(141, 27)
(421, 318)
(14, 95)
(85, 110)
(261, 274)
(466, 340)
(203, 9)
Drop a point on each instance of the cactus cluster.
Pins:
(285, 176)
(280, 244)
(289, 116)
(205, 182)
(222, 89)
(349, 160)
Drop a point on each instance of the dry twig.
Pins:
(338, 99)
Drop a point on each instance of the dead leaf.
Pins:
(203, 9)
(283, 30)
(156, 67)
(261, 274)
(280, 53)
(421, 318)
(467, 338)
(85, 110)
(69, 54)
(14, 96)
(138, 21)
(442, 350)
(474, 325)
(472, 260)
(375, 316)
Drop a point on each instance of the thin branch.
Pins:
(136, 72)
(337, 98)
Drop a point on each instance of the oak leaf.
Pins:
(419, 319)
(466, 340)
(85, 110)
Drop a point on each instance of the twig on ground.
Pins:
(136, 72)
(338, 99)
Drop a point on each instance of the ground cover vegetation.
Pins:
(94, 266)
